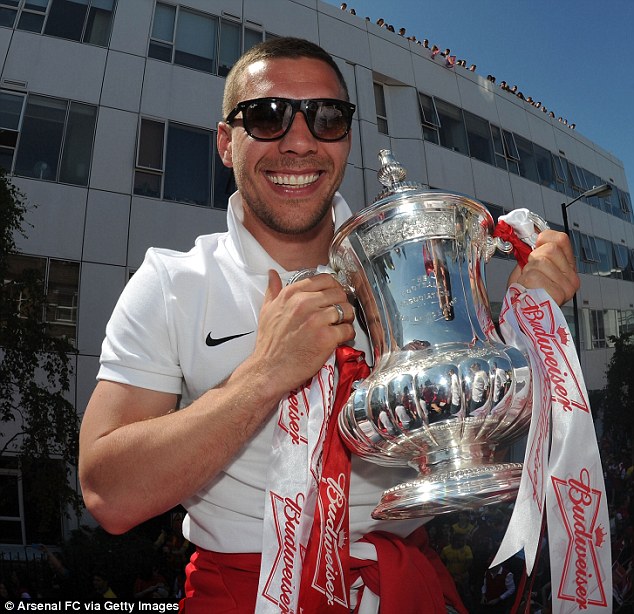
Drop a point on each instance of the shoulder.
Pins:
(172, 265)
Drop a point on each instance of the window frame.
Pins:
(64, 141)
(448, 133)
(161, 173)
(380, 107)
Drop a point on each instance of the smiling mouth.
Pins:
(293, 181)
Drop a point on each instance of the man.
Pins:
(454, 387)
(479, 387)
(217, 333)
(497, 589)
(500, 380)
(458, 558)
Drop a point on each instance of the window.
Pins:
(224, 183)
(625, 204)
(589, 248)
(561, 175)
(188, 165)
(56, 140)
(21, 522)
(585, 251)
(498, 147)
(597, 329)
(576, 178)
(174, 162)
(381, 108)
(195, 44)
(187, 38)
(527, 163)
(162, 41)
(230, 46)
(605, 266)
(11, 107)
(88, 21)
(545, 167)
(429, 118)
(60, 279)
(452, 130)
(626, 321)
(12, 527)
(62, 285)
(621, 255)
(479, 136)
(149, 163)
(251, 38)
(610, 326)
(198, 40)
(506, 153)
(32, 15)
(511, 152)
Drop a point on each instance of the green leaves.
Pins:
(38, 421)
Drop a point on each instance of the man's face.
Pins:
(287, 185)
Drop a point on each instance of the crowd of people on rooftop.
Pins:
(451, 61)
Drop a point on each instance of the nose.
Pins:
(299, 139)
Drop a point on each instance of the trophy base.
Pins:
(442, 493)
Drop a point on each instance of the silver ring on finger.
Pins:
(340, 314)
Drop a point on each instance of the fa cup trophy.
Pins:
(445, 394)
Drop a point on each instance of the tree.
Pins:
(619, 391)
(35, 378)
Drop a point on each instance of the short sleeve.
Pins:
(140, 347)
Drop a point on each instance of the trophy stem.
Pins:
(444, 491)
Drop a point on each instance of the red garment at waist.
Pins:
(410, 578)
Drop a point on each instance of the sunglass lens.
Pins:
(267, 119)
(330, 120)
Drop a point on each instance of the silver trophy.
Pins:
(445, 394)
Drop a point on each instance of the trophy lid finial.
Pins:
(392, 174)
(391, 171)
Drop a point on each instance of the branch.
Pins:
(6, 445)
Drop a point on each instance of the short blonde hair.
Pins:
(274, 48)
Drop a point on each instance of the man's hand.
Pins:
(299, 327)
(551, 266)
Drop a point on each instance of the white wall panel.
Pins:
(123, 81)
(106, 234)
(114, 151)
(100, 286)
(156, 223)
(54, 222)
(53, 66)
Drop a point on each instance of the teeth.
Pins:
(294, 180)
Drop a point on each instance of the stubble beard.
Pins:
(293, 219)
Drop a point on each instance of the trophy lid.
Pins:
(409, 210)
(392, 174)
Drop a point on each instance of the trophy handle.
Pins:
(306, 273)
(527, 226)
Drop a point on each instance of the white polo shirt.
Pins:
(163, 336)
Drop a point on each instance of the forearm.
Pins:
(144, 467)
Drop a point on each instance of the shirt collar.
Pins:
(247, 249)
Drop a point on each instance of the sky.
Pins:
(576, 56)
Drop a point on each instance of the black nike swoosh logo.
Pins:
(213, 342)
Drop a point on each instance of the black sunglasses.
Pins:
(269, 119)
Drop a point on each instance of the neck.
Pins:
(302, 251)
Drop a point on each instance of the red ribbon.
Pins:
(521, 250)
(326, 571)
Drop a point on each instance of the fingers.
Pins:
(300, 326)
(274, 287)
(551, 266)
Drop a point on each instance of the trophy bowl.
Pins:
(445, 394)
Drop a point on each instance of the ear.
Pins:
(224, 144)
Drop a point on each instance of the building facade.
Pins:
(108, 114)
